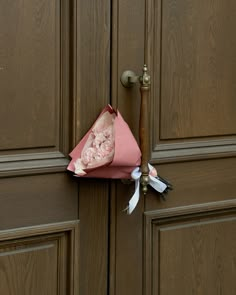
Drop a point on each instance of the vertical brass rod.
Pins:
(144, 128)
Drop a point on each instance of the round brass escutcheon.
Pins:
(127, 78)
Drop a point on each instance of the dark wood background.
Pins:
(60, 64)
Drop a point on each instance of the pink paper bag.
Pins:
(108, 150)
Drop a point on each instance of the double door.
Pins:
(60, 64)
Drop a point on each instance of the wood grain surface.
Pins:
(40, 260)
(200, 258)
(91, 94)
(198, 69)
(25, 270)
(29, 74)
(190, 47)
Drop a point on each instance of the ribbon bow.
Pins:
(159, 184)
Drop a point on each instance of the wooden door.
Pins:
(38, 201)
(60, 64)
(54, 79)
(187, 244)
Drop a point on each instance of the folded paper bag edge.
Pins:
(109, 172)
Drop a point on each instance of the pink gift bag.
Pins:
(108, 150)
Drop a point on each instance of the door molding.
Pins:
(48, 153)
(158, 221)
(175, 148)
(63, 240)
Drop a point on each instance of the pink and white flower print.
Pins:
(99, 148)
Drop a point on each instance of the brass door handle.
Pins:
(128, 79)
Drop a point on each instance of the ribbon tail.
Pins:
(135, 198)
(157, 184)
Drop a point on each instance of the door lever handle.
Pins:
(128, 79)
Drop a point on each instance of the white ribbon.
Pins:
(158, 185)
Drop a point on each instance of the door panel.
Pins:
(36, 134)
(34, 60)
(23, 262)
(191, 251)
(197, 182)
(32, 200)
(46, 263)
(171, 247)
(34, 112)
(30, 74)
(193, 83)
(197, 68)
(54, 80)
